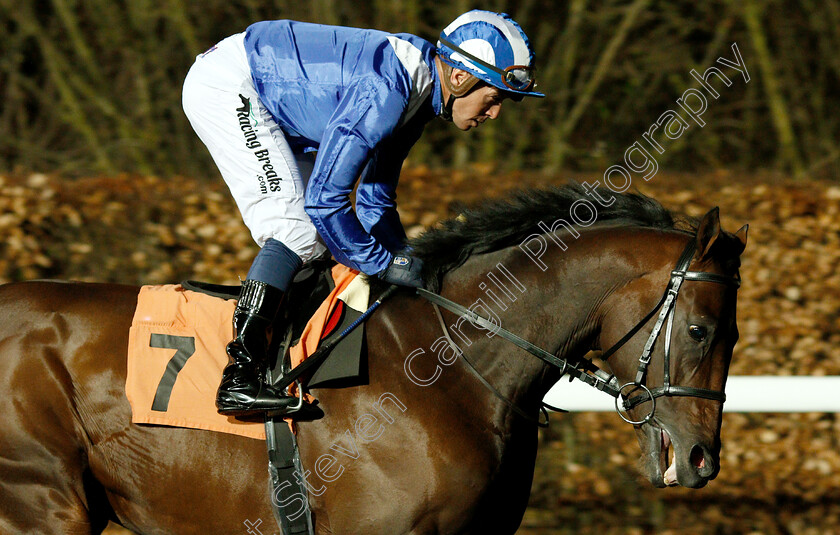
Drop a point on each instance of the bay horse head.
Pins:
(673, 384)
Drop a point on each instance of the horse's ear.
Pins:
(742, 237)
(708, 231)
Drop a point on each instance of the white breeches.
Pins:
(266, 179)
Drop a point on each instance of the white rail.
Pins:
(759, 393)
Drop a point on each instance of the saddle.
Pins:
(194, 319)
(310, 315)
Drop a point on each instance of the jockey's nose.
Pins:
(494, 110)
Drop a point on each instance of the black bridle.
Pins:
(591, 374)
(667, 308)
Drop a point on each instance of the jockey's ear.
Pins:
(460, 82)
(459, 76)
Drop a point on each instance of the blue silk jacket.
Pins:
(361, 98)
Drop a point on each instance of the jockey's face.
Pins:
(482, 103)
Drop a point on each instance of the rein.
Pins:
(587, 372)
(481, 378)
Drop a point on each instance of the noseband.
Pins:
(591, 374)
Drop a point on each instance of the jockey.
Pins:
(266, 100)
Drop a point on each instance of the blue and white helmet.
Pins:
(493, 48)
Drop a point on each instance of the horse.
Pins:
(424, 445)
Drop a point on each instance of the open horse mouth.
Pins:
(699, 460)
(667, 460)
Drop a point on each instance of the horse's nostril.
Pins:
(702, 461)
(698, 458)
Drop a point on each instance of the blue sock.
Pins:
(275, 265)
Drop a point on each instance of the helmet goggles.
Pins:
(516, 77)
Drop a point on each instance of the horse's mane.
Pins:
(498, 224)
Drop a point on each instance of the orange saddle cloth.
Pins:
(176, 353)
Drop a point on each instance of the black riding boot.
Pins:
(242, 390)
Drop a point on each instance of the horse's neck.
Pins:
(557, 308)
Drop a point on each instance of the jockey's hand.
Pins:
(405, 270)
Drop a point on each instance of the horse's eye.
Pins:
(697, 332)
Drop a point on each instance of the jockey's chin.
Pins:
(467, 124)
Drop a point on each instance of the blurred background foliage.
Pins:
(94, 86)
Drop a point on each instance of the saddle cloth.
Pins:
(176, 352)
